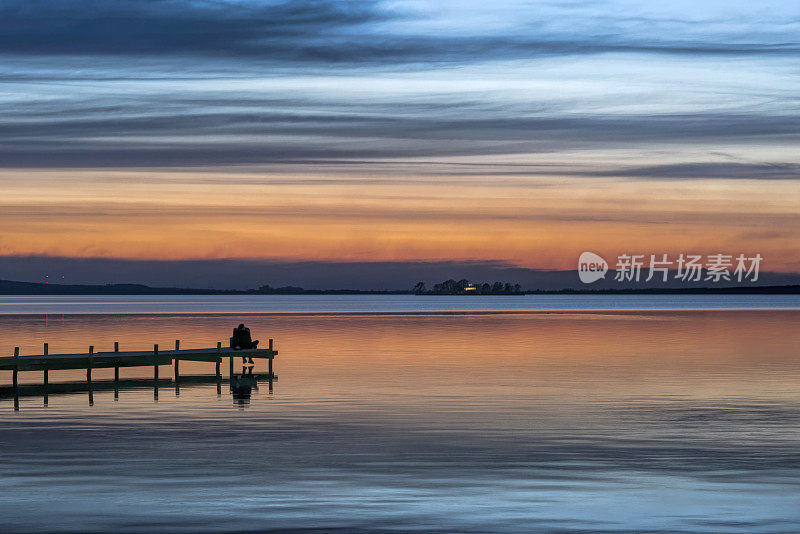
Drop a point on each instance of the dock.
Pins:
(155, 358)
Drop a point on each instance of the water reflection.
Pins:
(614, 422)
(241, 387)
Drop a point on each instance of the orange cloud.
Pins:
(540, 222)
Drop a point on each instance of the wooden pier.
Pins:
(155, 358)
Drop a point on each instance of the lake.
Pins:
(382, 303)
(681, 415)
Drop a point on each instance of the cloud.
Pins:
(726, 170)
(130, 27)
(109, 137)
(354, 32)
(170, 84)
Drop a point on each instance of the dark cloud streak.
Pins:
(103, 138)
(725, 170)
(128, 27)
(322, 32)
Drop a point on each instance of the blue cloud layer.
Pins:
(167, 83)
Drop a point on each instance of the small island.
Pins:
(465, 287)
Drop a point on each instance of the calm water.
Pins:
(383, 303)
(675, 421)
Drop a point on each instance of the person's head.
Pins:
(241, 325)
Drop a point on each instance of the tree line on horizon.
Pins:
(465, 287)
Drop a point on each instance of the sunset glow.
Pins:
(541, 222)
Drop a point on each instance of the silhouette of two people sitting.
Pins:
(241, 340)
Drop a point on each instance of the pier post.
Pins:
(14, 379)
(177, 361)
(16, 367)
(46, 351)
(219, 358)
(90, 364)
(116, 370)
(89, 374)
(155, 372)
(219, 373)
(46, 378)
(269, 359)
(231, 365)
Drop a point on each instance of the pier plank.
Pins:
(39, 362)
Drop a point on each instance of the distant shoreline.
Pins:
(412, 313)
(9, 287)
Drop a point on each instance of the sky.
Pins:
(393, 133)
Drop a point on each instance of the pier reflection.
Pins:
(241, 387)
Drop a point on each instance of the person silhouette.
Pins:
(241, 340)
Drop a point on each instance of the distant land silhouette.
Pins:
(465, 287)
(366, 276)
(10, 287)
